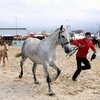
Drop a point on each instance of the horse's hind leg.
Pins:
(34, 73)
(21, 65)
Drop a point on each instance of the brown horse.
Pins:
(4, 53)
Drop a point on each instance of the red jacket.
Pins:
(83, 51)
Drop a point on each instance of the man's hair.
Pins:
(88, 33)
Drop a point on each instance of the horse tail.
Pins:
(18, 55)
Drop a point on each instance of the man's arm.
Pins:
(75, 42)
(93, 47)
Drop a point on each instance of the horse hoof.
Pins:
(36, 82)
(51, 94)
(20, 76)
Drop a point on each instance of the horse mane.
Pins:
(54, 32)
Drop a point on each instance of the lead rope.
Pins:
(73, 51)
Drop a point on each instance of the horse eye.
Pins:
(62, 36)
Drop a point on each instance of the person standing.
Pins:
(81, 55)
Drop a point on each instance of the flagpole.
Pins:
(16, 24)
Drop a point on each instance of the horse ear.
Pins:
(61, 27)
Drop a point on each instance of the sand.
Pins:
(87, 86)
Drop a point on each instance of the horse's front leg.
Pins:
(55, 66)
(0, 58)
(51, 93)
(4, 61)
(7, 59)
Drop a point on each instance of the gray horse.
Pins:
(99, 43)
(43, 52)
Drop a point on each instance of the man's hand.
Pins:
(93, 56)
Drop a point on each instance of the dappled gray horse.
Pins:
(99, 43)
(43, 52)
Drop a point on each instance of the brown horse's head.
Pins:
(6, 46)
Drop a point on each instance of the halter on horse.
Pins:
(43, 52)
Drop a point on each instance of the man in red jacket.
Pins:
(82, 52)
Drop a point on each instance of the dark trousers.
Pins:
(80, 67)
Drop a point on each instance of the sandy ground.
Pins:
(87, 86)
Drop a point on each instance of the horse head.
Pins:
(64, 39)
(6, 47)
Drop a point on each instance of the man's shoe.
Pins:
(74, 79)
